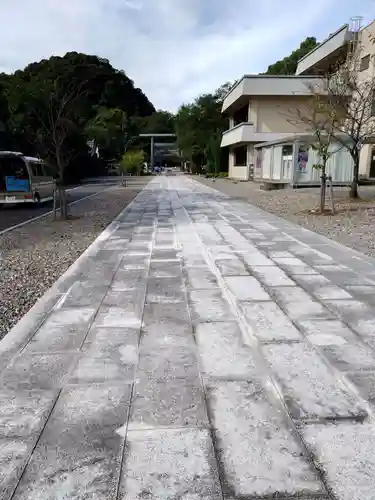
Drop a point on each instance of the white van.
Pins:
(24, 179)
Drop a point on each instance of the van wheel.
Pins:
(36, 200)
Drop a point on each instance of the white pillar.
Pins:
(365, 160)
(231, 163)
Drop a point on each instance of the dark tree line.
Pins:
(288, 65)
(53, 107)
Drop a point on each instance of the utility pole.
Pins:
(152, 155)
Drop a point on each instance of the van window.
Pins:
(49, 170)
(14, 175)
(36, 168)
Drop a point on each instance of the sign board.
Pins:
(14, 184)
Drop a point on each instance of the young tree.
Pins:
(320, 119)
(57, 111)
(131, 162)
(351, 94)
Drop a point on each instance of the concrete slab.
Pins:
(24, 413)
(272, 276)
(243, 419)
(298, 304)
(179, 463)
(311, 391)
(165, 269)
(167, 362)
(106, 339)
(208, 305)
(268, 323)
(255, 259)
(222, 352)
(364, 381)
(129, 279)
(79, 453)
(14, 454)
(38, 371)
(346, 453)
(63, 330)
(293, 265)
(231, 267)
(165, 290)
(142, 318)
(167, 403)
(117, 317)
(81, 295)
(339, 344)
(157, 313)
(364, 293)
(246, 288)
(198, 278)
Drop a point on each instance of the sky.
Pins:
(174, 50)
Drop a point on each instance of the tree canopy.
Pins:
(288, 65)
(199, 127)
(88, 98)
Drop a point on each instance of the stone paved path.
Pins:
(203, 349)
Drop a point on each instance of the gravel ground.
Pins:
(353, 225)
(34, 256)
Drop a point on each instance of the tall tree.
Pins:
(106, 88)
(113, 131)
(199, 127)
(159, 122)
(288, 65)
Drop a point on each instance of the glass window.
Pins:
(365, 63)
(287, 150)
(240, 156)
(13, 174)
(49, 170)
(36, 168)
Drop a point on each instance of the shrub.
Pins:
(131, 162)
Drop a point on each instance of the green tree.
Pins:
(199, 127)
(288, 65)
(131, 162)
(27, 93)
(113, 132)
(159, 122)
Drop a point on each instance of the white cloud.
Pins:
(172, 49)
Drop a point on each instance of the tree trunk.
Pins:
(63, 203)
(54, 203)
(354, 186)
(323, 189)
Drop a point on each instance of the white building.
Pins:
(260, 106)
(334, 50)
(260, 109)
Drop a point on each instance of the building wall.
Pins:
(278, 115)
(367, 47)
(240, 172)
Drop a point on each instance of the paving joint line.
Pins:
(276, 394)
(131, 397)
(210, 428)
(53, 406)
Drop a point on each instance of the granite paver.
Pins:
(200, 349)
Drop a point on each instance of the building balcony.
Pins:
(327, 54)
(266, 86)
(237, 135)
(245, 133)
